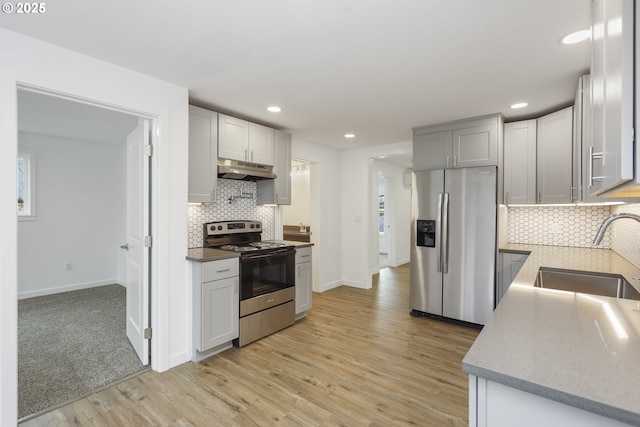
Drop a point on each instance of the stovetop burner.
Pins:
(238, 236)
(252, 246)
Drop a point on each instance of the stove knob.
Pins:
(252, 226)
(219, 227)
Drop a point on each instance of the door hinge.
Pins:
(147, 333)
(148, 150)
(148, 241)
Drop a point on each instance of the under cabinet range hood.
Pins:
(244, 171)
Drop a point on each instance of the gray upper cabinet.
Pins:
(203, 154)
(245, 141)
(278, 191)
(588, 169)
(432, 150)
(554, 157)
(476, 145)
(520, 162)
(612, 92)
(463, 143)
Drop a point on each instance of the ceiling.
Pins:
(372, 67)
(49, 115)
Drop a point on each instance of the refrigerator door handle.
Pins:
(444, 249)
(439, 234)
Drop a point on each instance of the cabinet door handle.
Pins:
(305, 256)
(252, 155)
(246, 155)
(539, 197)
(506, 198)
(455, 161)
(447, 163)
(223, 270)
(593, 156)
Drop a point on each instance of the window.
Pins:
(26, 192)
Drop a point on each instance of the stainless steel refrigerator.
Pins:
(453, 243)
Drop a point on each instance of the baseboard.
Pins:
(198, 356)
(75, 287)
(401, 262)
(178, 359)
(355, 284)
(331, 285)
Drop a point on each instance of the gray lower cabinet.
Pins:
(509, 264)
(304, 281)
(216, 303)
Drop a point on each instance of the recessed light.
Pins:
(519, 105)
(576, 37)
(274, 109)
(349, 135)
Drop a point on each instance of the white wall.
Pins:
(42, 65)
(359, 195)
(299, 211)
(326, 219)
(80, 217)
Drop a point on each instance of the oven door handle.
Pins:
(273, 254)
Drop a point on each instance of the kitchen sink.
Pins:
(586, 282)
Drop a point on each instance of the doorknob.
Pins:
(125, 247)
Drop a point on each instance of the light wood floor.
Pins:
(358, 359)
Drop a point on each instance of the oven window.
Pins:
(263, 274)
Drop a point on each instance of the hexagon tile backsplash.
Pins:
(625, 234)
(224, 210)
(576, 226)
(557, 225)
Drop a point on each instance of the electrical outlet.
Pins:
(69, 266)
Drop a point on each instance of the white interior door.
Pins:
(137, 230)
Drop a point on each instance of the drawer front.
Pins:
(215, 270)
(303, 255)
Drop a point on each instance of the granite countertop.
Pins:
(294, 243)
(210, 254)
(579, 349)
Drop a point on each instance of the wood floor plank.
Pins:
(357, 359)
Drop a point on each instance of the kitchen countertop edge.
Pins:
(579, 402)
(478, 361)
(209, 254)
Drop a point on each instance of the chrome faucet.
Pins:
(303, 228)
(608, 221)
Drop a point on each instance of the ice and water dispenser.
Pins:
(426, 233)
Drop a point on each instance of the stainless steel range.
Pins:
(267, 277)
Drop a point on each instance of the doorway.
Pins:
(390, 210)
(384, 220)
(72, 238)
(296, 217)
